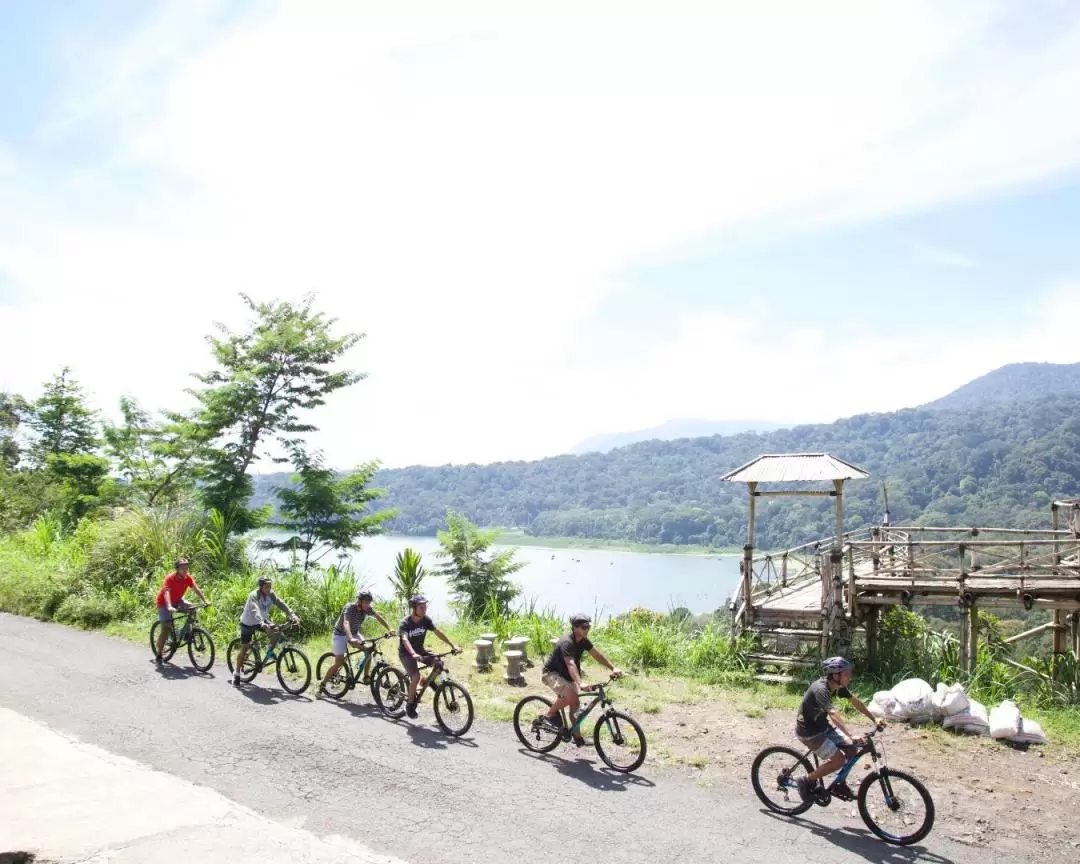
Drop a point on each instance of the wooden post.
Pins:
(839, 485)
(973, 636)
(1056, 524)
(748, 559)
(965, 640)
(1059, 631)
(871, 635)
(1076, 634)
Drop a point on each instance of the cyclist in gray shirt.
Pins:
(256, 616)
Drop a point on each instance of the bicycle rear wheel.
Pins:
(293, 670)
(620, 741)
(896, 807)
(251, 661)
(171, 643)
(777, 770)
(391, 689)
(337, 686)
(529, 728)
(201, 649)
(453, 708)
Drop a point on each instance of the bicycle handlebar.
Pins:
(611, 678)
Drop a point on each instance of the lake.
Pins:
(599, 582)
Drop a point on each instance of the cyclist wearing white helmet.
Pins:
(562, 671)
(347, 632)
(820, 727)
(411, 651)
(256, 616)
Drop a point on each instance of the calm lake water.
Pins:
(600, 582)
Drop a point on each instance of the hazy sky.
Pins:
(551, 220)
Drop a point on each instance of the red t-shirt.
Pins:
(177, 585)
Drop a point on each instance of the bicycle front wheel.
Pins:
(251, 661)
(293, 670)
(201, 649)
(620, 741)
(338, 685)
(529, 726)
(391, 689)
(896, 807)
(171, 643)
(776, 771)
(453, 708)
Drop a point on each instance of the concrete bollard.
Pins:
(485, 656)
(514, 673)
(493, 638)
(519, 643)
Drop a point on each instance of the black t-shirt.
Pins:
(566, 648)
(415, 632)
(813, 718)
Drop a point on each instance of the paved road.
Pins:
(403, 789)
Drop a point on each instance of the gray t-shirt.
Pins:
(257, 608)
(813, 717)
(355, 617)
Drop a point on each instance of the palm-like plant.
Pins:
(409, 573)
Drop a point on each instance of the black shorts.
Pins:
(247, 632)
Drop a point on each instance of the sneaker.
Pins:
(410, 709)
(236, 681)
(579, 741)
(550, 724)
(158, 660)
(843, 792)
(806, 789)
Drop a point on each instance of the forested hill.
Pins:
(1000, 464)
(1017, 381)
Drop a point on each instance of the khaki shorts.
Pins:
(557, 683)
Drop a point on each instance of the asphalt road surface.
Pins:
(403, 788)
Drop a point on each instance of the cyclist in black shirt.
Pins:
(562, 671)
(411, 651)
(832, 742)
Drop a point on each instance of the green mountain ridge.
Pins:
(1000, 464)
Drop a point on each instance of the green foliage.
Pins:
(326, 513)
(13, 409)
(153, 458)
(408, 576)
(666, 491)
(266, 376)
(476, 574)
(61, 419)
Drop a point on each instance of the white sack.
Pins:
(1005, 720)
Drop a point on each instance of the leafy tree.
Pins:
(155, 458)
(408, 575)
(13, 409)
(63, 422)
(266, 376)
(82, 479)
(324, 512)
(476, 575)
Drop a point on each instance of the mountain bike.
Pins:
(292, 665)
(199, 643)
(366, 673)
(452, 701)
(885, 795)
(613, 728)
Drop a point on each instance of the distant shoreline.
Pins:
(518, 538)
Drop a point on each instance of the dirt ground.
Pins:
(986, 793)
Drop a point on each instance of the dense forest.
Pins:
(998, 464)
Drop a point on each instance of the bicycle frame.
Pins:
(849, 764)
(437, 670)
(368, 660)
(190, 617)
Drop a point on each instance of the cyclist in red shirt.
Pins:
(171, 598)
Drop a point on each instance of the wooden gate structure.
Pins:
(809, 601)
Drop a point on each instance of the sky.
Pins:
(550, 221)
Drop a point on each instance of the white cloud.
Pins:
(467, 189)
